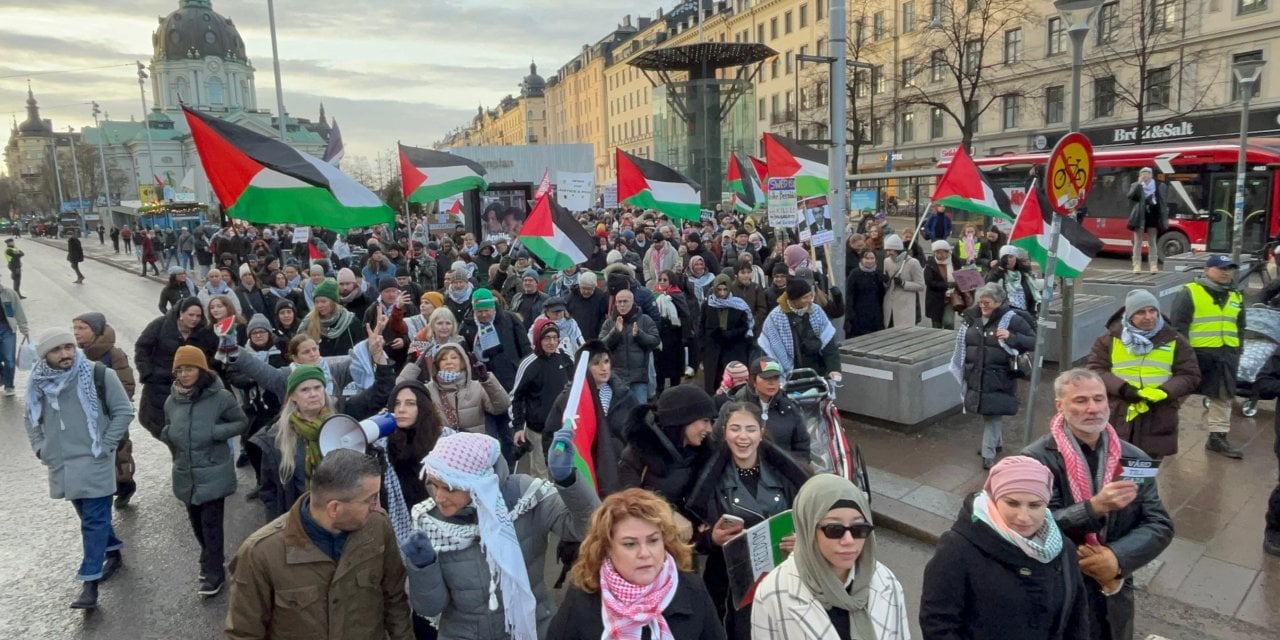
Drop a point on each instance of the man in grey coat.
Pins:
(77, 413)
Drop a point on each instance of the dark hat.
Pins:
(683, 404)
(402, 271)
(765, 367)
(798, 288)
(554, 303)
(617, 282)
(387, 282)
(779, 269)
(592, 348)
(285, 303)
(96, 321)
(694, 237)
(1220, 261)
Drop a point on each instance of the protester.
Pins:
(906, 285)
(724, 332)
(783, 419)
(1149, 215)
(13, 320)
(1014, 277)
(864, 300)
(179, 286)
(97, 340)
(464, 394)
(183, 325)
(75, 255)
(798, 334)
(675, 329)
(631, 336)
(541, 376)
(940, 286)
(335, 328)
(588, 304)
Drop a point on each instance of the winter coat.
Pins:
(607, 447)
(669, 360)
(528, 306)
(1136, 534)
(539, 380)
(1218, 365)
(668, 257)
(902, 302)
(1155, 431)
(153, 356)
(196, 430)
(652, 460)
(513, 345)
(690, 615)
(723, 341)
(75, 251)
(341, 344)
(990, 386)
(1138, 213)
(175, 292)
(630, 354)
(456, 586)
(864, 302)
(785, 609)
(103, 349)
(753, 295)
(253, 301)
(62, 442)
(936, 286)
(783, 420)
(979, 586)
(282, 586)
(464, 402)
(13, 312)
(588, 312)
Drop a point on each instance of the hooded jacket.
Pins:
(103, 349)
(196, 431)
(464, 402)
(153, 356)
(652, 460)
(540, 377)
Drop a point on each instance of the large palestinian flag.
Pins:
(963, 186)
(788, 158)
(649, 185)
(1031, 232)
(552, 234)
(264, 180)
(580, 420)
(742, 181)
(427, 175)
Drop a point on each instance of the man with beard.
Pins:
(1118, 525)
(354, 297)
(77, 413)
(528, 302)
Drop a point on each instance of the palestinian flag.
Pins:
(580, 419)
(1031, 233)
(456, 208)
(789, 159)
(427, 175)
(963, 186)
(747, 194)
(649, 185)
(762, 171)
(261, 179)
(551, 233)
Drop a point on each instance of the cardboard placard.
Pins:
(1138, 470)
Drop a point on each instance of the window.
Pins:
(972, 56)
(788, 59)
(773, 28)
(908, 16)
(937, 65)
(1054, 97)
(1013, 46)
(214, 89)
(774, 105)
(1236, 93)
(820, 94)
(859, 31)
(821, 47)
(877, 131)
(908, 71)
(760, 112)
(804, 16)
(1011, 112)
(1164, 15)
(774, 68)
(1250, 6)
(935, 10)
(760, 33)
(860, 84)
(877, 79)
(1108, 22)
(908, 129)
(1104, 97)
(786, 22)
(935, 123)
(791, 101)
(1159, 88)
(877, 25)
(1057, 37)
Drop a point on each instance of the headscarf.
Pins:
(1012, 475)
(815, 499)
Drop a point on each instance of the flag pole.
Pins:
(275, 63)
(1037, 360)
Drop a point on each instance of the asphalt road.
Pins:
(154, 595)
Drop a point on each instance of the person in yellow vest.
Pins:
(1148, 369)
(1210, 313)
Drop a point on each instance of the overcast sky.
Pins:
(388, 70)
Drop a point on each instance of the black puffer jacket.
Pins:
(657, 459)
(991, 389)
(979, 586)
(153, 356)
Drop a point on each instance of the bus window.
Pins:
(1257, 195)
(1109, 196)
(1192, 184)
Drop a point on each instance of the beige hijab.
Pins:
(812, 503)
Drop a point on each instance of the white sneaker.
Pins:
(9, 391)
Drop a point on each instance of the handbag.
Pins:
(1020, 365)
(960, 300)
(835, 304)
(26, 355)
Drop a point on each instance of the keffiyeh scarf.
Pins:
(629, 609)
(460, 297)
(1043, 547)
(1082, 485)
(46, 383)
(1137, 341)
(733, 302)
(775, 335)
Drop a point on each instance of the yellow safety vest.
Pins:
(960, 251)
(1211, 325)
(1143, 372)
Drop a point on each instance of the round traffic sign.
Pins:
(1070, 173)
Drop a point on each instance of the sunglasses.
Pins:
(859, 530)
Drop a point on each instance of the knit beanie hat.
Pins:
(52, 339)
(301, 374)
(797, 288)
(617, 282)
(735, 373)
(894, 243)
(258, 321)
(794, 256)
(588, 278)
(434, 298)
(189, 356)
(940, 245)
(529, 273)
(613, 256)
(483, 299)
(346, 276)
(779, 269)
(683, 404)
(285, 303)
(96, 321)
(387, 282)
(245, 270)
(327, 289)
(402, 271)
(1137, 300)
(1016, 474)
(175, 270)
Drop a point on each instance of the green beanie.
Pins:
(327, 289)
(301, 374)
(483, 299)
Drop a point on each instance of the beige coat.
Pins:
(464, 403)
(902, 302)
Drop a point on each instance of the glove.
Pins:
(1100, 563)
(560, 457)
(1136, 409)
(417, 550)
(897, 281)
(1153, 395)
(1130, 393)
(480, 372)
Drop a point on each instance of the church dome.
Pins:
(195, 31)
(533, 86)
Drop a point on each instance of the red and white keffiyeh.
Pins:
(1082, 485)
(627, 609)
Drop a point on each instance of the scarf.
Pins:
(812, 504)
(361, 370)
(397, 509)
(178, 388)
(667, 308)
(295, 281)
(628, 609)
(222, 289)
(606, 397)
(449, 377)
(309, 431)
(486, 339)
(775, 335)
(460, 297)
(1149, 189)
(970, 245)
(655, 257)
(281, 292)
(1082, 486)
(732, 302)
(699, 284)
(1043, 547)
(1013, 289)
(46, 383)
(1137, 341)
(335, 325)
(351, 297)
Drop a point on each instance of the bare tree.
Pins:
(963, 40)
(1142, 63)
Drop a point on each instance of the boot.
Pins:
(124, 492)
(88, 598)
(1271, 542)
(1218, 443)
(1155, 267)
(114, 561)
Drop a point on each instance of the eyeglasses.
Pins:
(835, 531)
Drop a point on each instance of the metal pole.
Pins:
(275, 63)
(75, 167)
(1237, 234)
(837, 155)
(146, 125)
(57, 175)
(1078, 33)
(1055, 232)
(102, 158)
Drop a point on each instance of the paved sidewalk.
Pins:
(1216, 562)
(103, 253)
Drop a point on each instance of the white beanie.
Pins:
(941, 245)
(614, 256)
(1008, 250)
(52, 339)
(893, 242)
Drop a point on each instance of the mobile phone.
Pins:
(732, 520)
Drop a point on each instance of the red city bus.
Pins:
(1201, 179)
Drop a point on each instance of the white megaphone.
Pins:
(343, 432)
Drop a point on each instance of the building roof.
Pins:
(33, 125)
(708, 55)
(533, 85)
(194, 30)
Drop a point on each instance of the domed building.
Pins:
(200, 59)
(515, 121)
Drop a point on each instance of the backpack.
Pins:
(100, 384)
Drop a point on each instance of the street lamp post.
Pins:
(1247, 73)
(146, 123)
(102, 159)
(75, 168)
